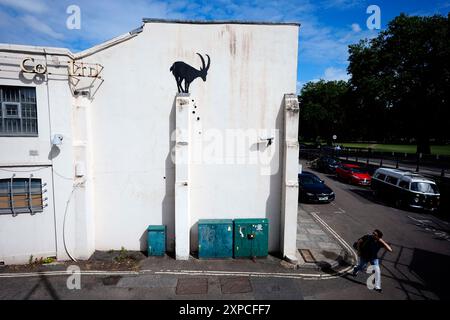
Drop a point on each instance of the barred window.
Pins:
(18, 111)
(21, 195)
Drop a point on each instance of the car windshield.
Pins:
(424, 187)
(307, 179)
(358, 170)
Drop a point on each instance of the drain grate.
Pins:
(235, 285)
(192, 286)
(307, 255)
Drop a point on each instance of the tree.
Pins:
(322, 109)
(402, 79)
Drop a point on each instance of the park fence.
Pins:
(435, 167)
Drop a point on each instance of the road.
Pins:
(420, 264)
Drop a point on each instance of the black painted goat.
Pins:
(182, 71)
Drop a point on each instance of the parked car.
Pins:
(406, 189)
(313, 189)
(353, 174)
(327, 164)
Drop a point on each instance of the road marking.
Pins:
(339, 208)
(65, 273)
(338, 237)
(304, 276)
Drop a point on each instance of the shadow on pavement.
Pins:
(47, 285)
(433, 269)
(418, 272)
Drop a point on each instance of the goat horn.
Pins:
(203, 61)
(209, 61)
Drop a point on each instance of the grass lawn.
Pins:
(441, 150)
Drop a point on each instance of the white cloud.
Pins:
(34, 6)
(342, 4)
(44, 23)
(333, 73)
(356, 27)
(39, 26)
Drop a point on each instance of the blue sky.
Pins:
(328, 26)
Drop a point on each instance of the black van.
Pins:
(406, 189)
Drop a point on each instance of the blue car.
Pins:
(313, 189)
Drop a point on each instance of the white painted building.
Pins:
(134, 152)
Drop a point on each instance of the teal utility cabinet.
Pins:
(156, 240)
(251, 238)
(215, 238)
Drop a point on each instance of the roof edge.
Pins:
(154, 20)
(9, 47)
(109, 43)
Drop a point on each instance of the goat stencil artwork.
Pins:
(182, 71)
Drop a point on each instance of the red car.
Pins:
(353, 174)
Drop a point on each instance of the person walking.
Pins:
(368, 247)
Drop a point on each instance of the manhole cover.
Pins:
(235, 285)
(307, 255)
(192, 286)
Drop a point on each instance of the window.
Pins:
(22, 195)
(18, 111)
(404, 184)
(309, 179)
(381, 176)
(391, 180)
(424, 187)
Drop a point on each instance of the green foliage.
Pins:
(398, 91)
(323, 109)
(40, 261)
(124, 256)
(401, 80)
(48, 260)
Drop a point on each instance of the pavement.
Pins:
(325, 250)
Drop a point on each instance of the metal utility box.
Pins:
(251, 238)
(215, 238)
(156, 240)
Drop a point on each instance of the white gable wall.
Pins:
(132, 114)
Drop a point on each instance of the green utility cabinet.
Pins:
(156, 240)
(251, 238)
(215, 238)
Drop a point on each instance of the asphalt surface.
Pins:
(417, 269)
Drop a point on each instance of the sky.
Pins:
(327, 26)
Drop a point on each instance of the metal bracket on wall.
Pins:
(292, 184)
(292, 143)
